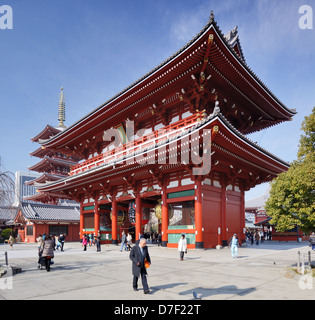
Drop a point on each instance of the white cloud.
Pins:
(270, 25)
(187, 25)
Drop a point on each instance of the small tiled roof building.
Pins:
(37, 219)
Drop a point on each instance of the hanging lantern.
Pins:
(170, 212)
(121, 217)
(132, 212)
(158, 211)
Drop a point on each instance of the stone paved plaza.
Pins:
(260, 272)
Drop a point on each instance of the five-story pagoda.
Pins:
(54, 165)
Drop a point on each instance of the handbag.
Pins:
(146, 263)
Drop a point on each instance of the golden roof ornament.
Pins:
(211, 19)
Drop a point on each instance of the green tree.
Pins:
(6, 233)
(292, 194)
(307, 141)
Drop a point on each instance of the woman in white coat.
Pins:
(182, 247)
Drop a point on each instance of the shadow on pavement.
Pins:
(208, 292)
(166, 286)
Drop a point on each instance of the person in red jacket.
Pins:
(84, 242)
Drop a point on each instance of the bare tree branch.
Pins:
(7, 187)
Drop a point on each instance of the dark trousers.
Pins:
(98, 246)
(47, 263)
(181, 255)
(143, 279)
(62, 244)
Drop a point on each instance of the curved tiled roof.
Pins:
(54, 161)
(259, 202)
(43, 212)
(211, 23)
(7, 213)
(47, 133)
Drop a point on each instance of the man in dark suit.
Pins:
(137, 255)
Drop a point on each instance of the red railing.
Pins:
(142, 143)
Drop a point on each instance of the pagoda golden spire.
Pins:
(61, 109)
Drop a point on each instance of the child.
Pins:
(84, 242)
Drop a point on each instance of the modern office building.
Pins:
(21, 188)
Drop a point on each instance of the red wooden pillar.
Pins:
(96, 217)
(242, 220)
(224, 181)
(198, 215)
(81, 220)
(223, 215)
(114, 221)
(138, 217)
(164, 217)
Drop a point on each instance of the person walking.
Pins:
(312, 241)
(40, 242)
(98, 242)
(159, 240)
(62, 240)
(11, 241)
(84, 242)
(251, 238)
(54, 241)
(262, 236)
(257, 238)
(123, 241)
(139, 255)
(129, 241)
(91, 239)
(234, 244)
(47, 251)
(182, 247)
(58, 244)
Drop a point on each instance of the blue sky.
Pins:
(94, 49)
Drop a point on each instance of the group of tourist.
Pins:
(90, 239)
(126, 241)
(258, 236)
(139, 254)
(153, 237)
(57, 241)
